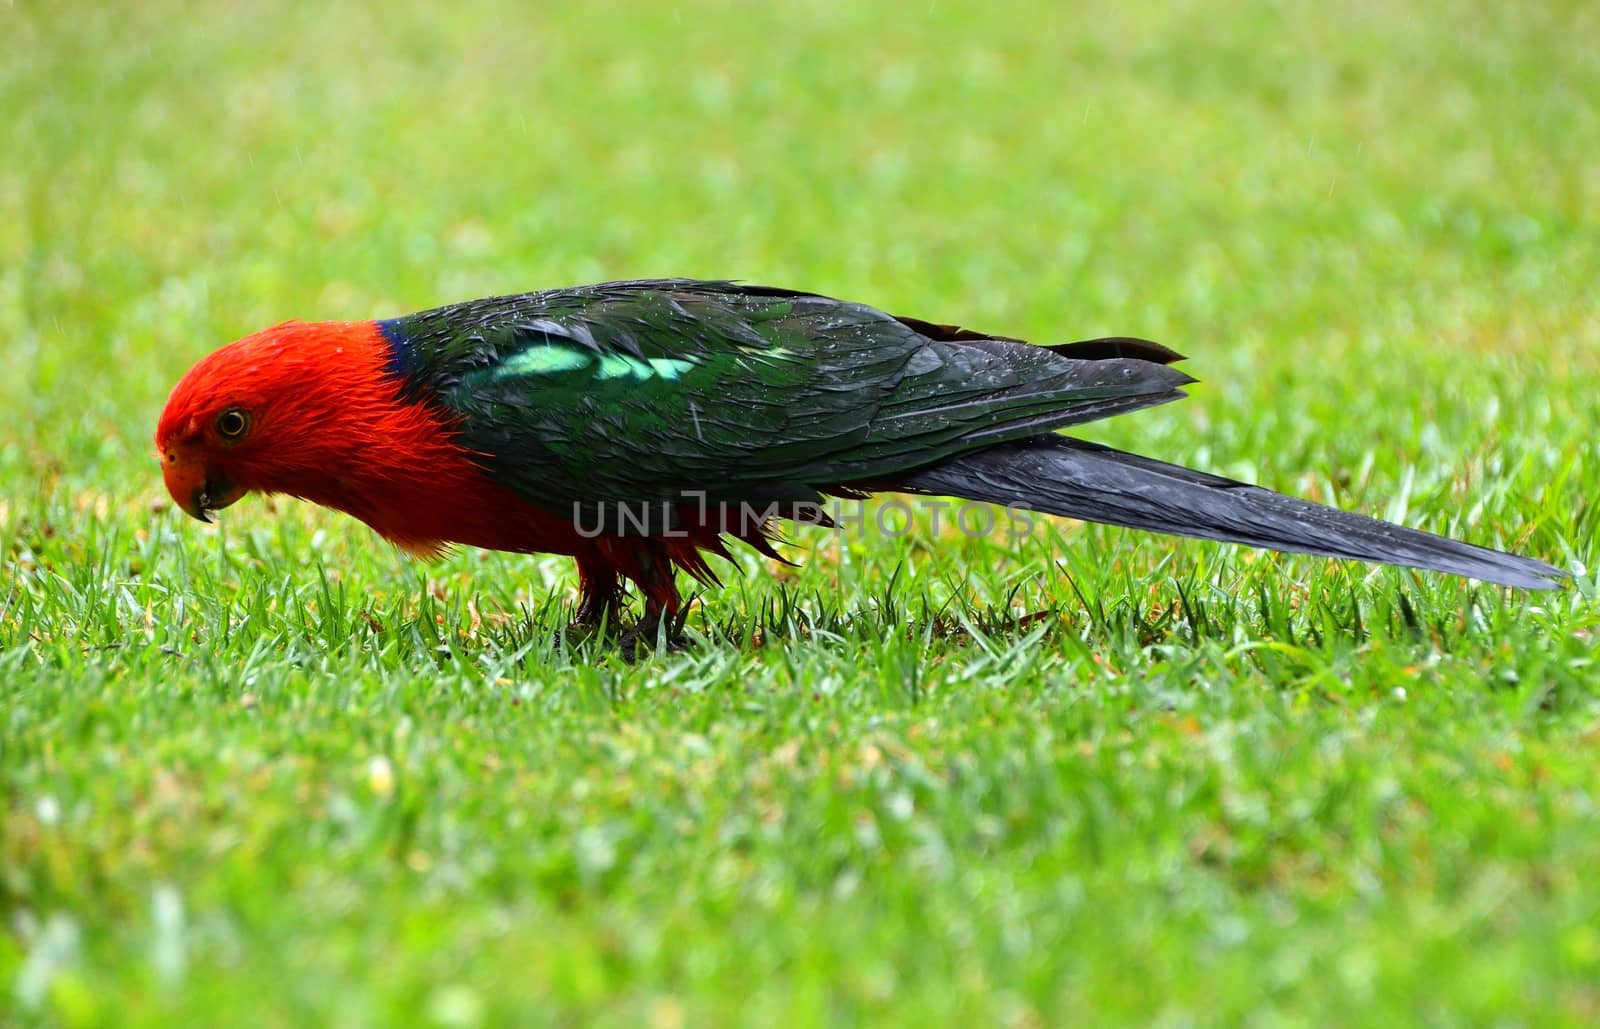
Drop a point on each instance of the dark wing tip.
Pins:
(1108, 347)
(950, 333)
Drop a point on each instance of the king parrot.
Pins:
(619, 423)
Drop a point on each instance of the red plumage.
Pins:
(326, 424)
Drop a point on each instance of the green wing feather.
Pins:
(641, 391)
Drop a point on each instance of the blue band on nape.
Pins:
(402, 357)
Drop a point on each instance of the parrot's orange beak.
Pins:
(194, 487)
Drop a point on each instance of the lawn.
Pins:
(274, 772)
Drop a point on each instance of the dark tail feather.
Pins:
(1062, 476)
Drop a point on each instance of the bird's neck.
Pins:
(394, 460)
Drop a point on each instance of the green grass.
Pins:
(274, 773)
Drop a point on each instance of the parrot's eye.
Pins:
(232, 424)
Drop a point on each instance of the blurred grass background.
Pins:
(274, 773)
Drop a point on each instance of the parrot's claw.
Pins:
(673, 640)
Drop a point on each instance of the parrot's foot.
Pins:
(598, 613)
(646, 632)
(600, 616)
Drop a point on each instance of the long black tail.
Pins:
(1062, 476)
